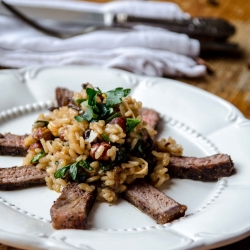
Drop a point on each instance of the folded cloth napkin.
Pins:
(144, 50)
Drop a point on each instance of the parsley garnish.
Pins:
(73, 171)
(131, 123)
(106, 166)
(79, 101)
(138, 148)
(46, 123)
(61, 172)
(79, 118)
(115, 96)
(96, 111)
(121, 156)
(105, 137)
(36, 158)
(111, 118)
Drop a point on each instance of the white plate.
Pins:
(218, 212)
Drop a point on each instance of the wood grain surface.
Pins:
(231, 78)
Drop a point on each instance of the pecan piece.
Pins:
(120, 121)
(98, 151)
(42, 133)
(35, 145)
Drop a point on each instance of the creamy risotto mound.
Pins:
(100, 141)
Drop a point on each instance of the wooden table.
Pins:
(231, 78)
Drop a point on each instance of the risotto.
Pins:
(100, 141)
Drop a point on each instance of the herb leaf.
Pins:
(85, 164)
(106, 166)
(60, 173)
(105, 137)
(97, 111)
(91, 96)
(121, 156)
(104, 110)
(79, 118)
(111, 117)
(73, 171)
(37, 157)
(115, 96)
(43, 121)
(80, 100)
(131, 123)
(88, 115)
(82, 177)
(138, 148)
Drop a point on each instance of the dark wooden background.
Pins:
(231, 78)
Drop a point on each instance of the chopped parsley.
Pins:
(40, 123)
(96, 111)
(111, 118)
(131, 123)
(79, 101)
(105, 137)
(37, 157)
(106, 166)
(74, 171)
(115, 96)
(61, 172)
(46, 123)
(121, 156)
(139, 148)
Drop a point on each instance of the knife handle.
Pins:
(211, 48)
(199, 27)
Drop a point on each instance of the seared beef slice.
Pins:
(154, 203)
(205, 169)
(21, 177)
(71, 209)
(62, 96)
(11, 144)
(150, 116)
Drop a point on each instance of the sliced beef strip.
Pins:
(71, 209)
(62, 96)
(21, 177)
(154, 202)
(11, 144)
(150, 116)
(204, 169)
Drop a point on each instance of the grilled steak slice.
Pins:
(150, 116)
(153, 202)
(21, 177)
(11, 144)
(63, 96)
(71, 209)
(204, 169)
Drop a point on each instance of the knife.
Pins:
(199, 27)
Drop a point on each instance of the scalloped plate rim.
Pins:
(203, 243)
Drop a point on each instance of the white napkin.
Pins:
(145, 50)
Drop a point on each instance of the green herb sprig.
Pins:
(131, 123)
(37, 157)
(98, 111)
(74, 172)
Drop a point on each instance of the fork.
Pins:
(206, 46)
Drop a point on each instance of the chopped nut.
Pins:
(42, 133)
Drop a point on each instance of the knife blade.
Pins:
(199, 27)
